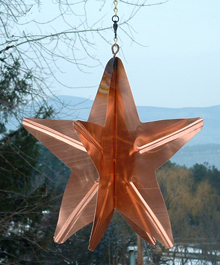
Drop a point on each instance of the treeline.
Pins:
(192, 197)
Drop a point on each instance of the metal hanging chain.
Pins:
(115, 20)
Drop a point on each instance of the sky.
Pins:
(175, 62)
(180, 66)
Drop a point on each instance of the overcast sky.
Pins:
(178, 64)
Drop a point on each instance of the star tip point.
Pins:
(56, 240)
(91, 248)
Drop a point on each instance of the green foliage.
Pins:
(21, 225)
(55, 169)
(23, 200)
(15, 87)
(207, 173)
(24, 193)
(17, 160)
(193, 202)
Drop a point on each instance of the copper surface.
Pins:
(113, 157)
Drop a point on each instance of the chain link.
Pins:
(115, 19)
(115, 2)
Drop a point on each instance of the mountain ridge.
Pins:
(211, 115)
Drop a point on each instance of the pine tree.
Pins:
(23, 198)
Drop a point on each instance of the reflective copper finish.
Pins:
(113, 157)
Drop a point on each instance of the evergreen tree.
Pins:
(23, 198)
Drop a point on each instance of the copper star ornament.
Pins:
(113, 157)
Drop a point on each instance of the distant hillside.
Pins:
(190, 155)
(79, 108)
(209, 134)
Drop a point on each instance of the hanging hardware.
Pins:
(115, 20)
